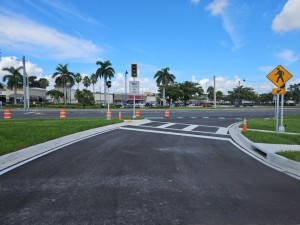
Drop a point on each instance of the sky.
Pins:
(233, 40)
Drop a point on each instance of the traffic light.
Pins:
(134, 72)
(108, 83)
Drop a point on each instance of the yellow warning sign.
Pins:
(278, 91)
(279, 76)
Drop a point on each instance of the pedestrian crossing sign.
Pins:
(279, 76)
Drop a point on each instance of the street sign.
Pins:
(133, 87)
(278, 91)
(279, 76)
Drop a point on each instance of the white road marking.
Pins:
(29, 113)
(177, 134)
(166, 125)
(222, 130)
(190, 127)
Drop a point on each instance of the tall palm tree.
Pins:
(163, 78)
(105, 71)
(78, 79)
(63, 77)
(94, 79)
(14, 79)
(86, 82)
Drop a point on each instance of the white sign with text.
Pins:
(134, 87)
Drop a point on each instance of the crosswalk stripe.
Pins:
(190, 128)
(222, 130)
(166, 125)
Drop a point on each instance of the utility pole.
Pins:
(215, 96)
(24, 83)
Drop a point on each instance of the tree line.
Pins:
(169, 89)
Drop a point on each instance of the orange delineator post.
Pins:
(7, 114)
(137, 113)
(245, 125)
(167, 113)
(62, 113)
(120, 116)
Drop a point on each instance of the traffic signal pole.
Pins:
(134, 116)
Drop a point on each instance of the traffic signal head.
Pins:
(134, 72)
(108, 83)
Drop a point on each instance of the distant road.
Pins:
(155, 113)
(179, 171)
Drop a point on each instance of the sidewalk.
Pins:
(267, 152)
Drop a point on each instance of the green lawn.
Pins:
(291, 123)
(16, 134)
(293, 155)
(272, 138)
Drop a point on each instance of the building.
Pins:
(36, 94)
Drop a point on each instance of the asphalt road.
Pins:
(238, 114)
(157, 173)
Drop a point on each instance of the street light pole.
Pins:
(126, 89)
(239, 92)
(24, 83)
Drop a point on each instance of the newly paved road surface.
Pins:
(179, 171)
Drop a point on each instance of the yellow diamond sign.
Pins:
(279, 76)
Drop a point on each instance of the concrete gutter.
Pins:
(20, 157)
(267, 152)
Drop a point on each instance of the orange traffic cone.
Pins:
(245, 125)
(120, 116)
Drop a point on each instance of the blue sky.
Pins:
(196, 39)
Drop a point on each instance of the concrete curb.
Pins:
(20, 157)
(267, 152)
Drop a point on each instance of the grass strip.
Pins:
(16, 134)
(291, 123)
(272, 138)
(293, 155)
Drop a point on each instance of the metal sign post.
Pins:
(281, 128)
(277, 112)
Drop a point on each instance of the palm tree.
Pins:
(163, 78)
(210, 92)
(63, 77)
(14, 79)
(94, 79)
(86, 82)
(78, 79)
(105, 71)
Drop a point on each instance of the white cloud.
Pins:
(223, 84)
(289, 18)
(67, 8)
(220, 8)
(266, 69)
(217, 7)
(28, 36)
(195, 1)
(31, 68)
(287, 55)
(146, 84)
